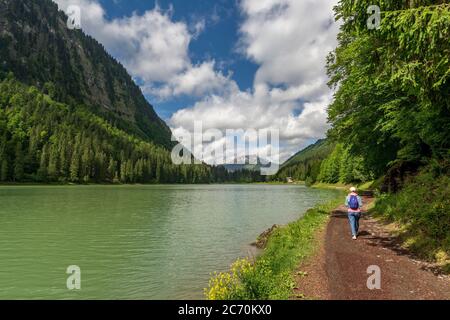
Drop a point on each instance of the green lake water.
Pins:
(134, 242)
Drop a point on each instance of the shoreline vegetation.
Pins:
(271, 274)
(388, 123)
(17, 184)
(67, 183)
(418, 215)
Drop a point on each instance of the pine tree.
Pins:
(4, 174)
(52, 170)
(75, 167)
(123, 172)
(111, 171)
(42, 171)
(19, 163)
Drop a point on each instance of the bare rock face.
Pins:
(72, 67)
(263, 238)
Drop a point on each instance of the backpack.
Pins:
(353, 202)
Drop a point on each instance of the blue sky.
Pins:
(231, 64)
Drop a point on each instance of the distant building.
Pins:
(289, 180)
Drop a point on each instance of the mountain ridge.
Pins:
(74, 68)
(305, 164)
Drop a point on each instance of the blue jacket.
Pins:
(347, 199)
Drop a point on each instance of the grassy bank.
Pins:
(421, 215)
(271, 275)
(323, 185)
(342, 186)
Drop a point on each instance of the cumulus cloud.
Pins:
(288, 39)
(258, 110)
(153, 48)
(196, 80)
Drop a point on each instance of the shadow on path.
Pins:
(347, 262)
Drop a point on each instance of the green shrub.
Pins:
(422, 207)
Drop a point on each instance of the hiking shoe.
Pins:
(354, 237)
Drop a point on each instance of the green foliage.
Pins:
(423, 209)
(341, 166)
(393, 83)
(330, 168)
(325, 162)
(229, 285)
(73, 68)
(45, 141)
(271, 276)
(305, 165)
(78, 115)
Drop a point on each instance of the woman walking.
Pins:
(354, 204)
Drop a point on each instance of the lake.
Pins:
(134, 242)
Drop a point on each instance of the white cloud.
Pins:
(288, 39)
(152, 47)
(197, 80)
(198, 28)
(258, 110)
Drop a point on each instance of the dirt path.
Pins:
(339, 270)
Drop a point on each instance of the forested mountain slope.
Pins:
(305, 164)
(42, 140)
(69, 112)
(37, 46)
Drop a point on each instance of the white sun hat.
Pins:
(353, 189)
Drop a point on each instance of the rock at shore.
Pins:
(263, 238)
